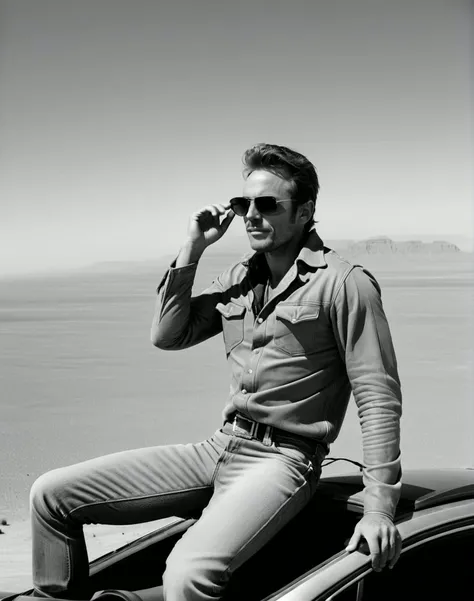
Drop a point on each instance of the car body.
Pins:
(306, 561)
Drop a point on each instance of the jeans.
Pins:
(246, 491)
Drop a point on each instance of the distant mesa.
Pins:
(383, 245)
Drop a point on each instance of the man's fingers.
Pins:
(393, 545)
(213, 210)
(374, 547)
(211, 213)
(383, 540)
(216, 210)
(353, 543)
(398, 550)
(205, 219)
(227, 221)
(384, 549)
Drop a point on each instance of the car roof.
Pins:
(421, 488)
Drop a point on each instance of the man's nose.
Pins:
(252, 212)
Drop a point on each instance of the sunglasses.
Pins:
(265, 205)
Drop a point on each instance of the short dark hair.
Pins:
(286, 163)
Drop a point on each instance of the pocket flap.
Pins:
(230, 310)
(297, 313)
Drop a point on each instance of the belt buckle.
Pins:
(268, 436)
(253, 426)
(234, 423)
(253, 429)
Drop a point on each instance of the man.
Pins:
(302, 329)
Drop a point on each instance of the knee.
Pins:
(47, 491)
(193, 577)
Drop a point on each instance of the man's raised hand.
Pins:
(206, 226)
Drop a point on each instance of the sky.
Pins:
(120, 118)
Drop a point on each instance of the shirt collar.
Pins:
(311, 253)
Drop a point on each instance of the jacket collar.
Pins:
(312, 252)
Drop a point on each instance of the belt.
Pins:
(268, 434)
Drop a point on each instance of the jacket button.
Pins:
(244, 391)
(260, 320)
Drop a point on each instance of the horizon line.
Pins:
(71, 269)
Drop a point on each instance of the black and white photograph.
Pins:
(236, 300)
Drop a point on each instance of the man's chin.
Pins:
(260, 246)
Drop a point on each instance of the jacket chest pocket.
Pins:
(233, 325)
(297, 328)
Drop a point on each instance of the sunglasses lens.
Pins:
(239, 205)
(266, 204)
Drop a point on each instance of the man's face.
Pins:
(268, 232)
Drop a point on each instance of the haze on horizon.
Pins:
(118, 119)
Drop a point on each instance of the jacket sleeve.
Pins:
(365, 344)
(180, 320)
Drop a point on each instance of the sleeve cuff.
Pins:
(379, 513)
(172, 272)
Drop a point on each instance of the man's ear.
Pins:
(306, 211)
